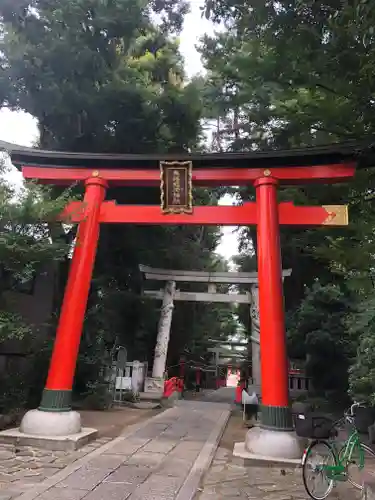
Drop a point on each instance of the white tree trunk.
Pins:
(164, 328)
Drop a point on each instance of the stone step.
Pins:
(146, 405)
(150, 396)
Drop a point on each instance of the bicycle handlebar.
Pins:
(350, 413)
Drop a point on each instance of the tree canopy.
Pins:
(104, 76)
(108, 76)
(295, 74)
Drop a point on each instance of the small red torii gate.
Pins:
(266, 171)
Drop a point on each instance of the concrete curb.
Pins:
(60, 476)
(204, 459)
(242, 457)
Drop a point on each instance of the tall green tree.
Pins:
(318, 332)
(30, 238)
(27, 241)
(295, 74)
(362, 375)
(104, 76)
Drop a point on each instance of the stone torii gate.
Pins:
(222, 349)
(170, 293)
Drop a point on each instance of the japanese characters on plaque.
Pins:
(176, 187)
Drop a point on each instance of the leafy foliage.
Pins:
(318, 333)
(290, 74)
(26, 219)
(92, 72)
(13, 326)
(107, 76)
(362, 375)
(28, 230)
(28, 240)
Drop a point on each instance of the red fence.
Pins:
(174, 384)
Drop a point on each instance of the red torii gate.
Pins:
(267, 171)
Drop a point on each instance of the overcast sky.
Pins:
(20, 128)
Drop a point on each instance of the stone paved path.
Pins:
(23, 467)
(228, 480)
(161, 459)
(222, 395)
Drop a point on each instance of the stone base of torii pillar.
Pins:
(57, 431)
(264, 445)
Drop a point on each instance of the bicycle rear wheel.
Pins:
(318, 455)
(361, 461)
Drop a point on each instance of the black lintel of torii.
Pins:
(361, 152)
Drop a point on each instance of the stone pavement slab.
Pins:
(61, 494)
(227, 480)
(22, 467)
(163, 458)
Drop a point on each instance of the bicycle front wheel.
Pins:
(317, 457)
(361, 460)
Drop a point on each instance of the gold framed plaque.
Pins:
(176, 187)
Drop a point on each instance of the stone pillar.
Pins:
(164, 328)
(156, 383)
(137, 376)
(255, 337)
(217, 368)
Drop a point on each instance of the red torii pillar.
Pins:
(274, 365)
(57, 393)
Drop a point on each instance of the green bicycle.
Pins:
(323, 462)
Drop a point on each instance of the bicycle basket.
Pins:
(314, 426)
